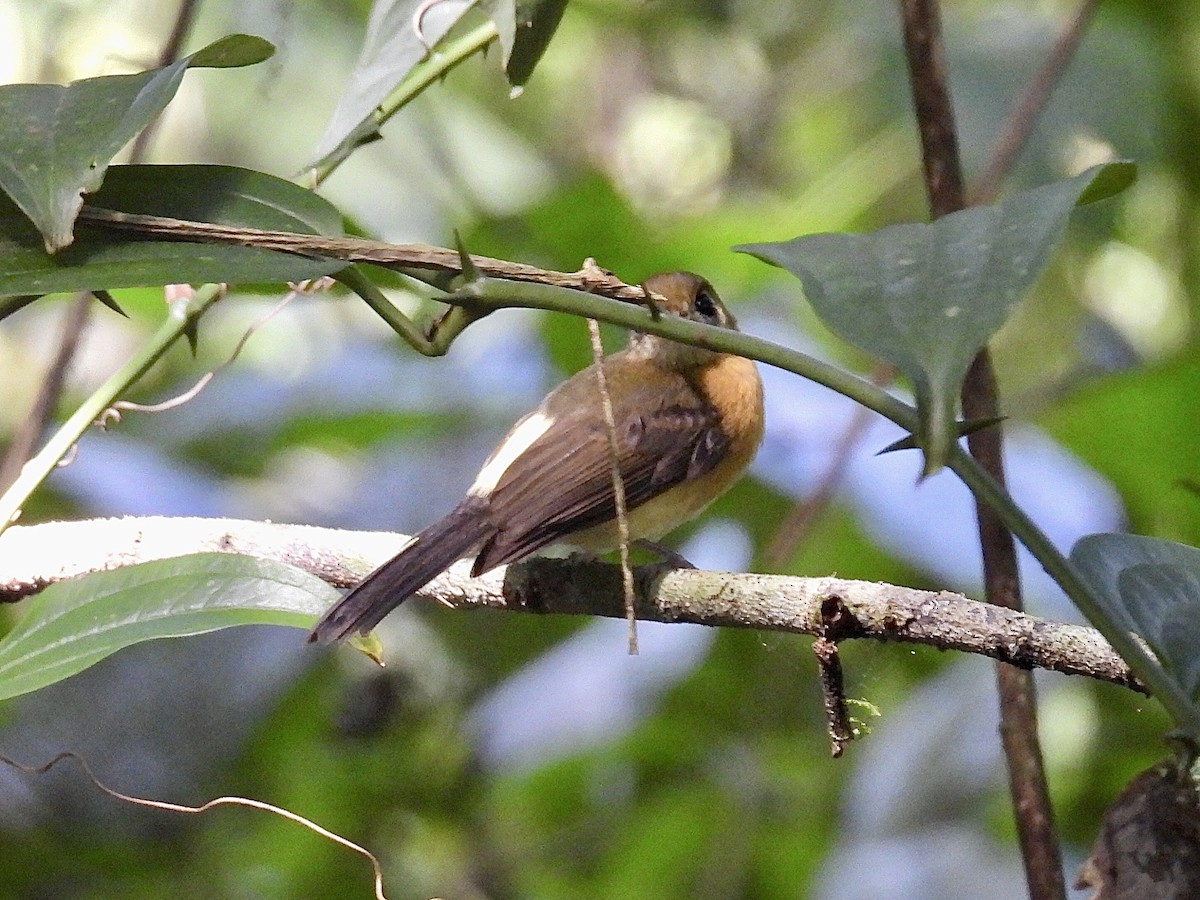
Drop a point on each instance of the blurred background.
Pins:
(501, 755)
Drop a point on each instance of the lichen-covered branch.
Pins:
(31, 557)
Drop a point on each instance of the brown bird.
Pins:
(688, 422)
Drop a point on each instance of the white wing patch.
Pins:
(528, 430)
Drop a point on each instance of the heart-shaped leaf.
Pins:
(74, 624)
(926, 297)
(57, 140)
(105, 259)
(1151, 587)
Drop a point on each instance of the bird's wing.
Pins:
(562, 483)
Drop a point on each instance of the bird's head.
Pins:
(688, 296)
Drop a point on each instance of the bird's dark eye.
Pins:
(706, 304)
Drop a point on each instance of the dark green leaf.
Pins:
(1151, 587)
(74, 624)
(232, 52)
(525, 29)
(1112, 179)
(57, 140)
(102, 259)
(926, 297)
(390, 49)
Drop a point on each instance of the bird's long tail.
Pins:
(425, 557)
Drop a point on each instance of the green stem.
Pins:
(40, 466)
(1165, 688)
(493, 293)
(353, 278)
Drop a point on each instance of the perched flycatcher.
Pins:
(688, 422)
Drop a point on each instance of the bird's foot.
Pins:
(668, 557)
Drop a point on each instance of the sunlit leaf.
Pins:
(1151, 587)
(57, 140)
(74, 624)
(390, 49)
(103, 259)
(926, 297)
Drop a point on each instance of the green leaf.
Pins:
(1151, 587)
(390, 49)
(525, 28)
(1111, 179)
(74, 624)
(57, 140)
(232, 52)
(103, 259)
(926, 297)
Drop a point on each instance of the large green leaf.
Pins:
(74, 624)
(1151, 587)
(390, 49)
(104, 259)
(926, 297)
(56, 140)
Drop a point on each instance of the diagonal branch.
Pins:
(393, 256)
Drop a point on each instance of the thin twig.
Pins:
(1028, 108)
(204, 807)
(114, 411)
(1032, 810)
(926, 58)
(836, 622)
(1018, 703)
(618, 485)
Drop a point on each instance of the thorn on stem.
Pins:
(651, 303)
(470, 272)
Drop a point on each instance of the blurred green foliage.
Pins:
(652, 136)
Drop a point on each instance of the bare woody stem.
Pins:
(393, 256)
(1032, 810)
